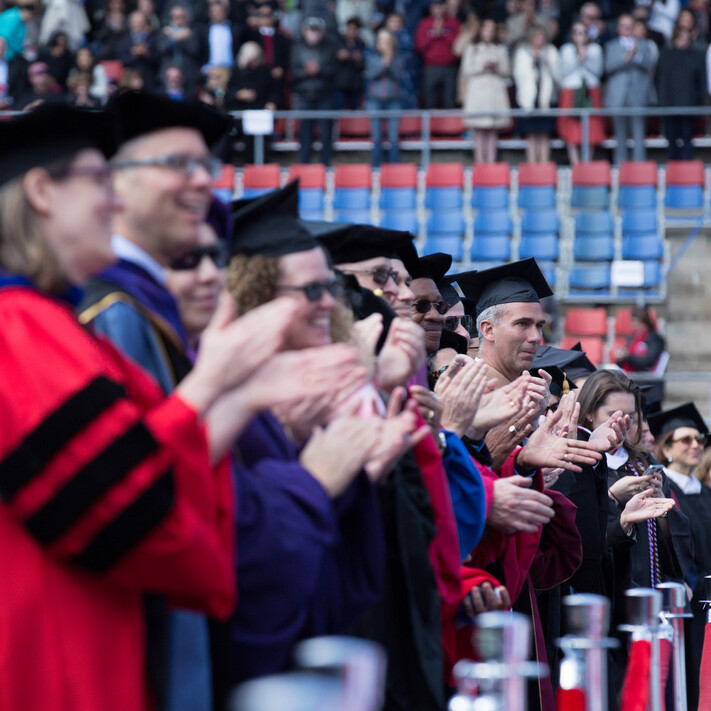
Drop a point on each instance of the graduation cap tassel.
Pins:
(566, 384)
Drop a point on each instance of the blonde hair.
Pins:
(251, 282)
(248, 52)
(702, 471)
(24, 249)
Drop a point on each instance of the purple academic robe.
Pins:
(307, 565)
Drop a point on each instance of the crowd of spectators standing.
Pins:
(483, 55)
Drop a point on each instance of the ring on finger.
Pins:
(512, 429)
(430, 416)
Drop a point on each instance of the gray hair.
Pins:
(493, 314)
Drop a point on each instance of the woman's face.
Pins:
(84, 59)
(538, 40)
(197, 290)
(311, 326)
(403, 302)
(488, 31)
(623, 401)
(578, 34)
(685, 449)
(76, 211)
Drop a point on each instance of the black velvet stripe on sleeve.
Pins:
(109, 468)
(33, 454)
(128, 529)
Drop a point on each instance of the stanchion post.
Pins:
(673, 610)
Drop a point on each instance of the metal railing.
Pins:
(426, 116)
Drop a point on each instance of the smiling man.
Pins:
(163, 172)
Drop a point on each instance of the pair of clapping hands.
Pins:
(641, 498)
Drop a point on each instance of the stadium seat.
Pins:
(537, 174)
(311, 199)
(449, 244)
(586, 322)
(536, 197)
(540, 222)
(597, 248)
(623, 322)
(636, 197)
(653, 278)
(642, 247)
(357, 127)
(636, 173)
(410, 126)
(255, 192)
(357, 217)
(597, 222)
(445, 175)
(398, 175)
(540, 246)
(594, 348)
(405, 220)
(446, 222)
(591, 186)
(351, 199)
(490, 198)
(590, 278)
(491, 175)
(258, 179)
(685, 181)
(113, 69)
(398, 198)
(640, 222)
(446, 126)
(444, 198)
(685, 172)
(311, 215)
(493, 222)
(223, 187)
(310, 175)
(353, 175)
(496, 248)
(637, 185)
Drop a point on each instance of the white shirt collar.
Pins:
(125, 249)
(688, 484)
(617, 458)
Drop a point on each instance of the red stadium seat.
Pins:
(410, 126)
(226, 179)
(685, 172)
(491, 175)
(357, 127)
(596, 172)
(310, 175)
(446, 126)
(537, 174)
(398, 175)
(593, 347)
(353, 175)
(113, 69)
(586, 322)
(642, 172)
(262, 176)
(445, 175)
(623, 322)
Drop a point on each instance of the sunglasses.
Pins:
(424, 305)
(689, 439)
(380, 275)
(192, 259)
(314, 290)
(452, 322)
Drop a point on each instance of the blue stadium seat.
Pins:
(684, 197)
(358, 217)
(599, 248)
(311, 215)
(351, 199)
(596, 222)
(549, 272)
(445, 198)
(495, 248)
(540, 221)
(449, 244)
(405, 220)
(590, 197)
(643, 221)
(398, 198)
(256, 192)
(647, 246)
(540, 246)
(490, 198)
(311, 199)
(590, 278)
(446, 222)
(637, 197)
(536, 197)
(224, 194)
(653, 278)
(493, 222)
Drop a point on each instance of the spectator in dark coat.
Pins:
(681, 81)
(112, 29)
(313, 67)
(349, 75)
(179, 45)
(42, 88)
(58, 58)
(138, 48)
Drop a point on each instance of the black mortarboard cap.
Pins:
(515, 283)
(357, 243)
(685, 415)
(269, 224)
(48, 134)
(449, 293)
(561, 384)
(652, 396)
(142, 112)
(573, 362)
(433, 266)
(364, 302)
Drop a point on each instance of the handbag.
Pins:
(581, 97)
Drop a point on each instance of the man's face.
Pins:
(425, 290)
(517, 336)
(163, 206)
(625, 26)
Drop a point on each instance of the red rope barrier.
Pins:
(635, 692)
(571, 700)
(705, 672)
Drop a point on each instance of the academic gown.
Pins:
(307, 564)
(106, 491)
(697, 508)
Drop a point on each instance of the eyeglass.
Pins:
(452, 322)
(179, 162)
(101, 174)
(424, 305)
(689, 439)
(380, 275)
(314, 290)
(27, 6)
(216, 252)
